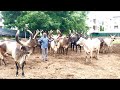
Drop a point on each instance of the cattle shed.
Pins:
(12, 33)
(104, 34)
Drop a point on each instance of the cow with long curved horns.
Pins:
(18, 50)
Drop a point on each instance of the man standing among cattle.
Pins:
(44, 46)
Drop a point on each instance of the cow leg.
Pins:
(0, 62)
(95, 54)
(23, 69)
(104, 49)
(80, 48)
(76, 48)
(50, 50)
(86, 59)
(98, 51)
(66, 51)
(91, 54)
(33, 49)
(24, 62)
(16, 63)
(71, 46)
(40, 49)
(4, 61)
(59, 50)
(110, 49)
(62, 50)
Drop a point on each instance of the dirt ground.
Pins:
(71, 66)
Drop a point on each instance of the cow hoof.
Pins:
(23, 76)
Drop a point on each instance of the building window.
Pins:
(116, 27)
(94, 20)
(0, 19)
(94, 27)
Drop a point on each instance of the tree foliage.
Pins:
(46, 20)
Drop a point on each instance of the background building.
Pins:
(109, 21)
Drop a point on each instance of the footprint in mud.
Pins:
(96, 66)
(59, 58)
(11, 68)
(36, 57)
(80, 68)
(69, 76)
(58, 68)
(46, 67)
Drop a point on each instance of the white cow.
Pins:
(90, 46)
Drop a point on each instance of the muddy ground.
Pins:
(71, 66)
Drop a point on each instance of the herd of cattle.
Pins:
(21, 49)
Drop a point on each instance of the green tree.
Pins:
(10, 17)
(47, 20)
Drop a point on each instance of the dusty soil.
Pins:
(71, 66)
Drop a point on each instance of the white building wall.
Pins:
(108, 23)
(116, 23)
(90, 22)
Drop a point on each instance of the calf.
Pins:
(106, 43)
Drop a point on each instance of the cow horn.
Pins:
(17, 36)
(37, 32)
(115, 35)
(31, 35)
(110, 35)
